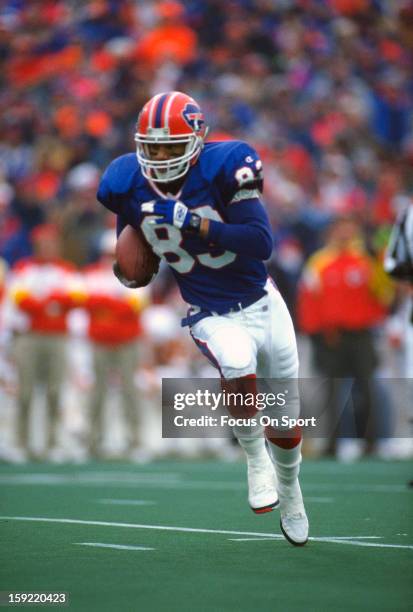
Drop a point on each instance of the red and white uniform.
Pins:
(113, 309)
(41, 294)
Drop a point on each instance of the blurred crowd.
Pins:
(323, 89)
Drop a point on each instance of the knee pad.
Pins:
(238, 391)
(282, 439)
(248, 428)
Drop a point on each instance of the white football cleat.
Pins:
(294, 521)
(262, 484)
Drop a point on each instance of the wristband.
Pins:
(194, 224)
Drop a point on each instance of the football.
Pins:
(137, 261)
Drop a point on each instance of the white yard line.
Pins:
(116, 546)
(274, 537)
(41, 519)
(369, 544)
(352, 541)
(127, 502)
(335, 540)
(326, 539)
(353, 537)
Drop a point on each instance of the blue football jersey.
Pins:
(225, 174)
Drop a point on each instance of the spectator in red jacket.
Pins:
(343, 295)
(114, 329)
(42, 290)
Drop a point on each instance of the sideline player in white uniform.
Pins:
(199, 207)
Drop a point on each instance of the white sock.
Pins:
(287, 464)
(254, 448)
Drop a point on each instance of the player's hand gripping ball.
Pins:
(172, 212)
(136, 263)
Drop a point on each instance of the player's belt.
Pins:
(191, 319)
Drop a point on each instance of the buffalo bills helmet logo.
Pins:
(193, 117)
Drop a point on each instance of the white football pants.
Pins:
(259, 339)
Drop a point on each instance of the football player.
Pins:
(199, 206)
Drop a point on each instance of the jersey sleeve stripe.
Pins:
(246, 194)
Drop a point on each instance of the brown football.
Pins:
(135, 257)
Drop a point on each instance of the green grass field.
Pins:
(192, 544)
